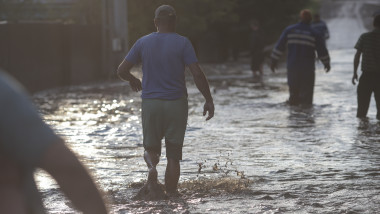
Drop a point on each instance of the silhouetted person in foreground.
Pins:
(256, 48)
(368, 45)
(164, 55)
(27, 143)
(320, 26)
(302, 42)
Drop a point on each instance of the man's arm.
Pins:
(202, 85)
(323, 53)
(30, 142)
(278, 50)
(73, 179)
(124, 73)
(356, 65)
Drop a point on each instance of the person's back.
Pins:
(369, 45)
(164, 57)
(302, 43)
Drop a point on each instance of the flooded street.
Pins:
(257, 155)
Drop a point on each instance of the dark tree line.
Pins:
(226, 20)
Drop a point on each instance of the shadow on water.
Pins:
(301, 116)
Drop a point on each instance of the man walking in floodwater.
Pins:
(164, 55)
(302, 42)
(256, 47)
(368, 45)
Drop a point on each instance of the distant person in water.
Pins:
(256, 48)
(368, 46)
(27, 143)
(302, 42)
(164, 55)
(320, 26)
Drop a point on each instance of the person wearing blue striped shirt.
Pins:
(301, 42)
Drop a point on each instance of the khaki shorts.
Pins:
(164, 118)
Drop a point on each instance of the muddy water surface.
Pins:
(258, 155)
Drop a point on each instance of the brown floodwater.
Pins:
(257, 155)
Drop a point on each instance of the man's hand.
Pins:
(273, 66)
(356, 64)
(327, 68)
(123, 71)
(135, 84)
(209, 107)
(354, 78)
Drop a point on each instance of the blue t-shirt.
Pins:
(163, 57)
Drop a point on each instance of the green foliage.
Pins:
(314, 6)
(274, 15)
(229, 18)
(25, 10)
(195, 17)
(79, 12)
(224, 20)
(87, 12)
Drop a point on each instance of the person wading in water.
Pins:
(164, 55)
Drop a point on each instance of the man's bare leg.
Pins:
(151, 158)
(261, 69)
(172, 175)
(152, 190)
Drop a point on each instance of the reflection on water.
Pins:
(257, 155)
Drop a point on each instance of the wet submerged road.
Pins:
(258, 155)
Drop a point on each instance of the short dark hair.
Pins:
(376, 21)
(166, 15)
